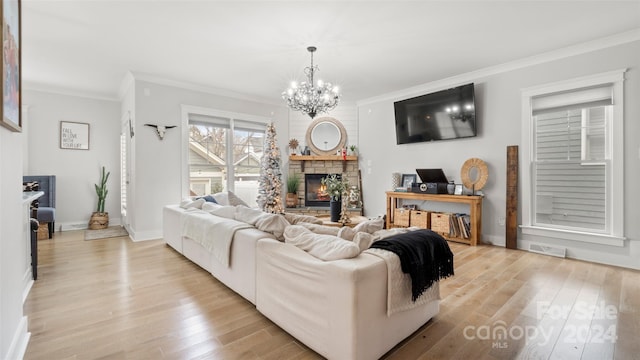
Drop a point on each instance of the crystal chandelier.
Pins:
(312, 98)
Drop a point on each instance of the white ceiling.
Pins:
(256, 48)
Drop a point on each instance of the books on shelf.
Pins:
(460, 225)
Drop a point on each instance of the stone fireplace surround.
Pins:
(322, 167)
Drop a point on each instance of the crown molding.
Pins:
(590, 46)
(31, 86)
(201, 88)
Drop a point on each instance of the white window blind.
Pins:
(573, 182)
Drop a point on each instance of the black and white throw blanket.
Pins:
(424, 255)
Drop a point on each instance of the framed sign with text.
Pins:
(74, 135)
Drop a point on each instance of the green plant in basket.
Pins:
(101, 190)
(293, 182)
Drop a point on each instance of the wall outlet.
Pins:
(501, 220)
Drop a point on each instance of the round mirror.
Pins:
(325, 136)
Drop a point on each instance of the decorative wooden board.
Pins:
(511, 221)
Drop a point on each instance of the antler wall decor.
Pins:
(160, 129)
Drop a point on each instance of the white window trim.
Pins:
(615, 175)
(190, 109)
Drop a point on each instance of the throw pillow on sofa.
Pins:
(234, 200)
(208, 198)
(228, 198)
(271, 223)
(227, 212)
(323, 247)
(295, 219)
(370, 226)
(188, 203)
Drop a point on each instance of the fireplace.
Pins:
(315, 194)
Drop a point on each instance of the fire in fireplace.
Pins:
(315, 194)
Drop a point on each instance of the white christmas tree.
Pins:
(270, 190)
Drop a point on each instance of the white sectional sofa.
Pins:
(240, 276)
(337, 308)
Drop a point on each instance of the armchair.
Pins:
(46, 211)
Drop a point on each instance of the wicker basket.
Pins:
(420, 218)
(440, 223)
(99, 221)
(401, 217)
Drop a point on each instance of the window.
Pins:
(572, 183)
(224, 152)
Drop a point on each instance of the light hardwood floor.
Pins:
(115, 299)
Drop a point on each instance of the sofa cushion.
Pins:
(323, 247)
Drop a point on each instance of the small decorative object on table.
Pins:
(354, 197)
(451, 187)
(353, 150)
(293, 145)
(395, 180)
(344, 214)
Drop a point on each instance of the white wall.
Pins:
(157, 178)
(13, 250)
(498, 110)
(76, 170)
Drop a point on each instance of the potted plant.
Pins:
(100, 218)
(292, 190)
(353, 149)
(336, 185)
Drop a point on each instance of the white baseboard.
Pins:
(27, 280)
(18, 346)
(145, 235)
(83, 225)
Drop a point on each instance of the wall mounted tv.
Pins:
(442, 115)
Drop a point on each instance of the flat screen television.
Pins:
(442, 115)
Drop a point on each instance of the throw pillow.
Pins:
(363, 240)
(271, 223)
(188, 203)
(208, 206)
(221, 198)
(321, 229)
(208, 198)
(370, 226)
(346, 233)
(227, 212)
(234, 200)
(323, 247)
(295, 219)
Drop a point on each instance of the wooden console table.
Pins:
(475, 211)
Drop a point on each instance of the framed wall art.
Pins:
(74, 135)
(11, 65)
